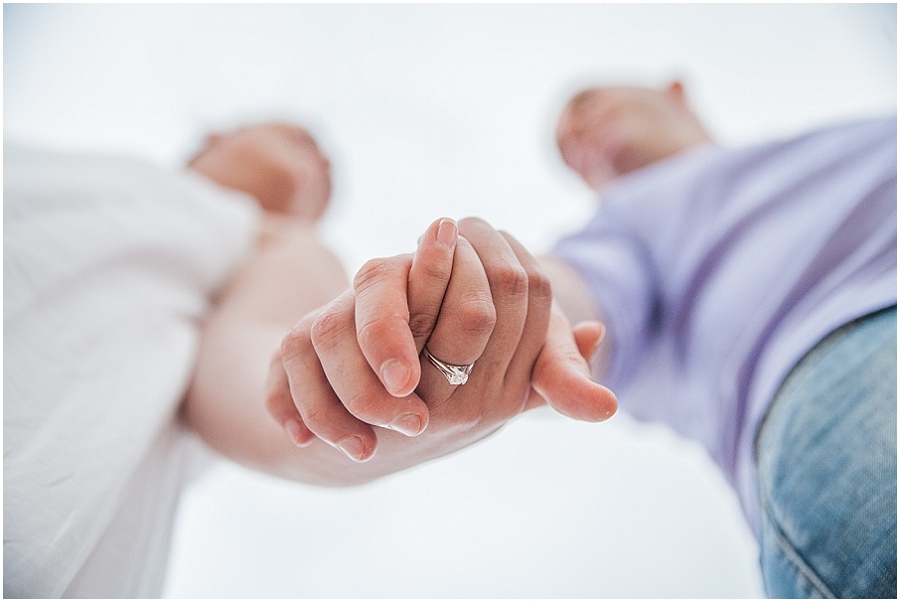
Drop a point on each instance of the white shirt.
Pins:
(108, 267)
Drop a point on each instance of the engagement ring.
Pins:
(456, 375)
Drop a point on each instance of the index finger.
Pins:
(429, 278)
(397, 304)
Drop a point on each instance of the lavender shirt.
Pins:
(717, 270)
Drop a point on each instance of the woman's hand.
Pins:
(351, 374)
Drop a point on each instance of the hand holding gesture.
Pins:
(355, 376)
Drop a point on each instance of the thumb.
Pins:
(562, 375)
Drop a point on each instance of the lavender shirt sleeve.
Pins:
(716, 270)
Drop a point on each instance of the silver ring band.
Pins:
(455, 374)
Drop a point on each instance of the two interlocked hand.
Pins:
(352, 373)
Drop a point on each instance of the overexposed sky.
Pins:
(432, 109)
(445, 109)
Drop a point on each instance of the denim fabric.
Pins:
(827, 466)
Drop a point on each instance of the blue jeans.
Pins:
(827, 466)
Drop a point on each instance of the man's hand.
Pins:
(477, 298)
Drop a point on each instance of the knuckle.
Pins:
(421, 324)
(471, 417)
(365, 406)
(296, 343)
(314, 418)
(324, 331)
(476, 316)
(509, 280)
(381, 330)
(539, 283)
(468, 223)
(437, 268)
(372, 272)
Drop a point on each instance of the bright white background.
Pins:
(430, 110)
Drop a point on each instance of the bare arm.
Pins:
(292, 274)
(525, 339)
(280, 289)
(576, 302)
(289, 275)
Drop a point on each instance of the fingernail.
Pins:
(294, 430)
(408, 424)
(447, 233)
(394, 375)
(353, 447)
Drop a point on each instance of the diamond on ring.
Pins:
(454, 373)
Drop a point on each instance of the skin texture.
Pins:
(528, 335)
(347, 379)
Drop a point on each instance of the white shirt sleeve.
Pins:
(108, 267)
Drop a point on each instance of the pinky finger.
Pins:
(281, 406)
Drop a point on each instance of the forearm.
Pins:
(290, 274)
(294, 274)
(573, 297)
(226, 407)
(569, 291)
